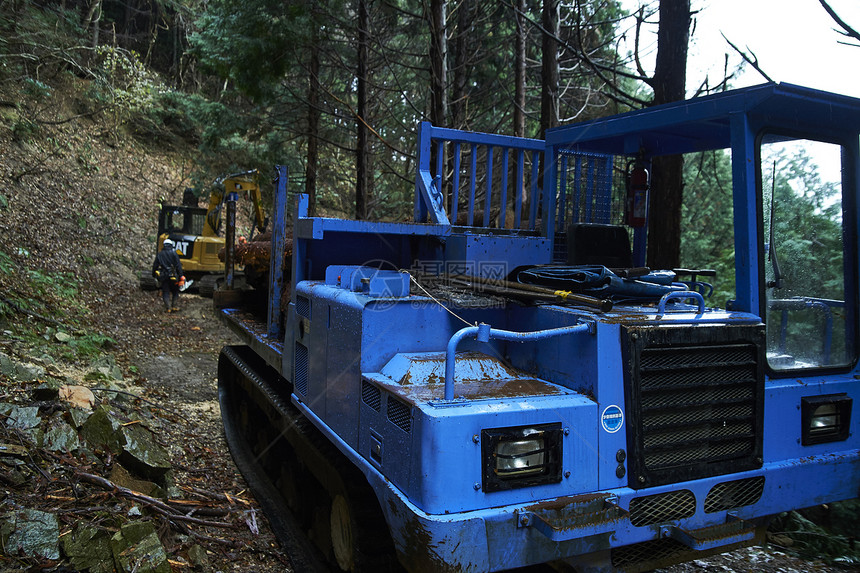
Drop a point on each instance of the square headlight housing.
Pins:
(825, 418)
(521, 457)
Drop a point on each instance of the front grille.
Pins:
(734, 494)
(663, 507)
(694, 398)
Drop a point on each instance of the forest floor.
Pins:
(78, 205)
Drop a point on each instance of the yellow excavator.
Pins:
(196, 231)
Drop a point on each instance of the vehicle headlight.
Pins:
(825, 418)
(521, 457)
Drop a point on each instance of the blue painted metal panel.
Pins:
(496, 256)
(495, 536)
(703, 123)
(455, 195)
(488, 193)
(747, 271)
(609, 393)
(503, 199)
(445, 436)
(782, 422)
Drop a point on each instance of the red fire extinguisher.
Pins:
(638, 183)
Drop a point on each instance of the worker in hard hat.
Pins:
(167, 270)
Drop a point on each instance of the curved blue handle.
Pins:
(681, 294)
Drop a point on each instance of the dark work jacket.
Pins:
(167, 261)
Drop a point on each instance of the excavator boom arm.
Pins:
(235, 182)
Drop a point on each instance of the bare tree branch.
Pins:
(599, 70)
(848, 30)
(750, 58)
(640, 19)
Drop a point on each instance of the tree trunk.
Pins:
(667, 182)
(438, 63)
(313, 125)
(549, 67)
(461, 76)
(177, 50)
(520, 71)
(92, 19)
(361, 105)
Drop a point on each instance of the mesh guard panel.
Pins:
(695, 401)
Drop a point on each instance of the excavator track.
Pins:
(318, 504)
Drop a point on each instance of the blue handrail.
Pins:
(495, 152)
(483, 333)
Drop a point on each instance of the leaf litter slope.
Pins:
(78, 203)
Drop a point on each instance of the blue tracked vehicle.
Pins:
(501, 383)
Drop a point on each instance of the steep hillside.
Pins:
(78, 206)
(81, 196)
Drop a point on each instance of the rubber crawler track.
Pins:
(303, 555)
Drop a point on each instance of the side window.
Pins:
(808, 323)
(197, 221)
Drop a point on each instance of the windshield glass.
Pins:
(185, 220)
(807, 323)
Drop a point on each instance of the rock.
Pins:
(122, 477)
(79, 416)
(133, 444)
(23, 372)
(141, 454)
(197, 557)
(102, 430)
(17, 477)
(95, 376)
(7, 365)
(62, 337)
(137, 548)
(89, 548)
(61, 437)
(78, 396)
(29, 372)
(25, 419)
(22, 417)
(109, 390)
(106, 366)
(33, 533)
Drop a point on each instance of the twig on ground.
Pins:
(157, 505)
(141, 398)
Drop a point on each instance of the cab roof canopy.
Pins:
(710, 122)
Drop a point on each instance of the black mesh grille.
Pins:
(370, 395)
(648, 552)
(734, 494)
(663, 507)
(399, 414)
(301, 365)
(303, 306)
(696, 396)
